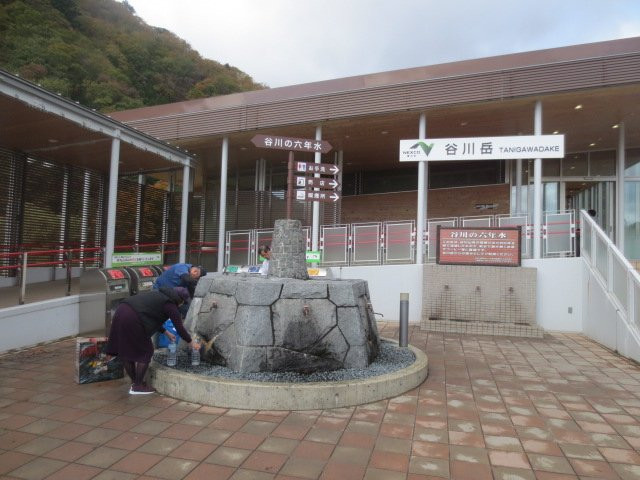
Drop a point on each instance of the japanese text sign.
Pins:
(479, 246)
(482, 148)
(312, 182)
(132, 259)
(292, 144)
(317, 196)
(321, 168)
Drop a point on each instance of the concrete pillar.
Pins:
(224, 163)
(537, 187)
(184, 214)
(113, 198)
(421, 224)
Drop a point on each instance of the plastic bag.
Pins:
(92, 364)
(163, 340)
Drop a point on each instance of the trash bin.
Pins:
(142, 278)
(101, 290)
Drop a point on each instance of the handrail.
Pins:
(625, 297)
(62, 257)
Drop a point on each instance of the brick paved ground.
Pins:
(492, 408)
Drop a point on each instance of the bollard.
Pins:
(404, 320)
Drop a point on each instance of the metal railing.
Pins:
(619, 278)
(394, 242)
(17, 263)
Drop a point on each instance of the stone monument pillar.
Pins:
(288, 249)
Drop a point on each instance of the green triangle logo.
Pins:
(425, 148)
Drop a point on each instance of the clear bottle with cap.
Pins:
(172, 354)
(195, 352)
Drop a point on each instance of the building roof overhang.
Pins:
(39, 123)
(367, 115)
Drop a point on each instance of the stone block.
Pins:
(357, 357)
(284, 360)
(257, 292)
(202, 288)
(224, 284)
(210, 323)
(304, 289)
(345, 293)
(250, 359)
(253, 326)
(333, 345)
(352, 325)
(292, 329)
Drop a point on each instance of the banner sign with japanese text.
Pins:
(290, 143)
(482, 148)
(136, 259)
(479, 246)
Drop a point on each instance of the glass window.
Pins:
(550, 167)
(602, 163)
(632, 162)
(574, 165)
(632, 220)
(550, 198)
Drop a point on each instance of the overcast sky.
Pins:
(286, 42)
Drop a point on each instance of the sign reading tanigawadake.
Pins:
(482, 148)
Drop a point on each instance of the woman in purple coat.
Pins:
(135, 321)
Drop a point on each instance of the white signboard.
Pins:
(482, 148)
(136, 259)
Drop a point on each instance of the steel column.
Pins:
(422, 195)
(224, 162)
(620, 157)
(184, 214)
(113, 198)
(537, 186)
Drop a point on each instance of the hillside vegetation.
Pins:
(99, 53)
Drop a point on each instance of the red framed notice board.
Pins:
(494, 246)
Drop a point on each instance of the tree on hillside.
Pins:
(99, 53)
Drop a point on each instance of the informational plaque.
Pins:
(499, 247)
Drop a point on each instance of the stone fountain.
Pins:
(284, 321)
(286, 326)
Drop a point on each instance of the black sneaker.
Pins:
(141, 390)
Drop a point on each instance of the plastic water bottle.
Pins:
(195, 354)
(172, 355)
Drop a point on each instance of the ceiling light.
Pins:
(464, 124)
(578, 107)
(555, 132)
(53, 140)
(615, 126)
(243, 148)
(592, 144)
(384, 132)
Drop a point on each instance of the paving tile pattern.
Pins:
(557, 408)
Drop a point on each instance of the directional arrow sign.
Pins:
(312, 182)
(321, 168)
(290, 143)
(311, 196)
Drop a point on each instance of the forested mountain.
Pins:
(99, 53)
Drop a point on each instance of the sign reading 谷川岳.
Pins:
(482, 148)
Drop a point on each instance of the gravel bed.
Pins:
(390, 359)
